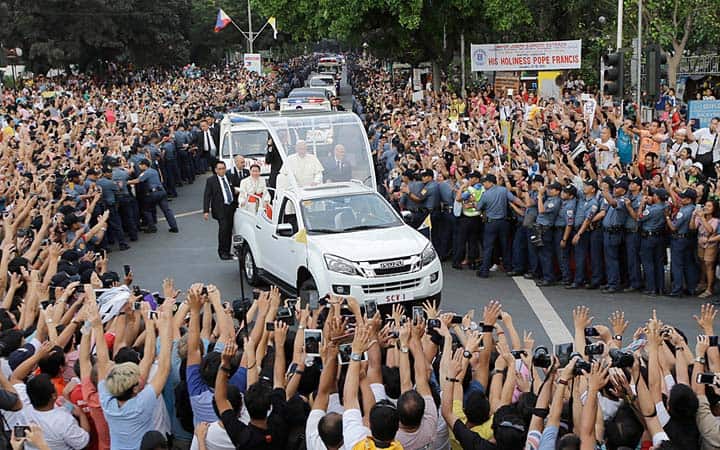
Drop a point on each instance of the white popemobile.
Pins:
(327, 230)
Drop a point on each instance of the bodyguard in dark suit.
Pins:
(338, 168)
(239, 172)
(207, 146)
(220, 200)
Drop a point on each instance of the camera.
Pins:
(581, 366)
(595, 349)
(621, 359)
(541, 358)
(433, 323)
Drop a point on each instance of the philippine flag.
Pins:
(222, 21)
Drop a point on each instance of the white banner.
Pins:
(551, 55)
(253, 62)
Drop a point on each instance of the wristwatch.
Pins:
(467, 354)
(357, 357)
(700, 359)
(618, 337)
(404, 350)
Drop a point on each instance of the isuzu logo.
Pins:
(391, 264)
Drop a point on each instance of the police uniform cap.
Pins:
(491, 178)
(689, 193)
(570, 189)
(621, 184)
(474, 174)
(591, 182)
(661, 193)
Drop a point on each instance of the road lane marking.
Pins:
(185, 214)
(546, 314)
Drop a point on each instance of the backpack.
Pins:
(369, 444)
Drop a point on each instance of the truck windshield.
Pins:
(322, 82)
(348, 213)
(336, 141)
(248, 143)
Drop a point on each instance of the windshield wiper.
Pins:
(363, 227)
(325, 230)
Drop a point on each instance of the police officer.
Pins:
(182, 144)
(109, 198)
(563, 228)
(494, 203)
(75, 188)
(443, 220)
(652, 240)
(520, 236)
(469, 224)
(597, 237)
(614, 215)
(127, 208)
(587, 207)
(171, 171)
(531, 213)
(682, 249)
(422, 198)
(632, 236)
(548, 209)
(156, 196)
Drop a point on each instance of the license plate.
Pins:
(396, 298)
(391, 264)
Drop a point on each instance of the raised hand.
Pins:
(706, 319)
(491, 312)
(618, 323)
(581, 317)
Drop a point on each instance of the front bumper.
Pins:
(422, 284)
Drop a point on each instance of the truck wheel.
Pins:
(248, 267)
(307, 287)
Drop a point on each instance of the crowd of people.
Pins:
(536, 187)
(88, 360)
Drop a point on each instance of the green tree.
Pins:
(680, 25)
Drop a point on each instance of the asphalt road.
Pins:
(191, 256)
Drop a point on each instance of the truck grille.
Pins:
(391, 287)
(393, 266)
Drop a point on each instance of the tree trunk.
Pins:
(435, 75)
(673, 62)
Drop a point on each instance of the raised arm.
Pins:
(163, 370)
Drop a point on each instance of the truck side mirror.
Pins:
(284, 229)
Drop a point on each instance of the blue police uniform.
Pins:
(682, 253)
(545, 221)
(632, 245)
(613, 226)
(109, 197)
(156, 196)
(443, 221)
(519, 245)
(182, 143)
(169, 166)
(597, 262)
(127, 207)
(532, 254)
(565, 218)
(587, 207)
(494, 202)
(652, 246)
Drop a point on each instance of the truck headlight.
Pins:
(428, 255)
(340, 265)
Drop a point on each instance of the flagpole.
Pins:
(239, 29)
(259, 31)
(250, 32)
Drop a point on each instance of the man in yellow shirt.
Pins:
(479, 419)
